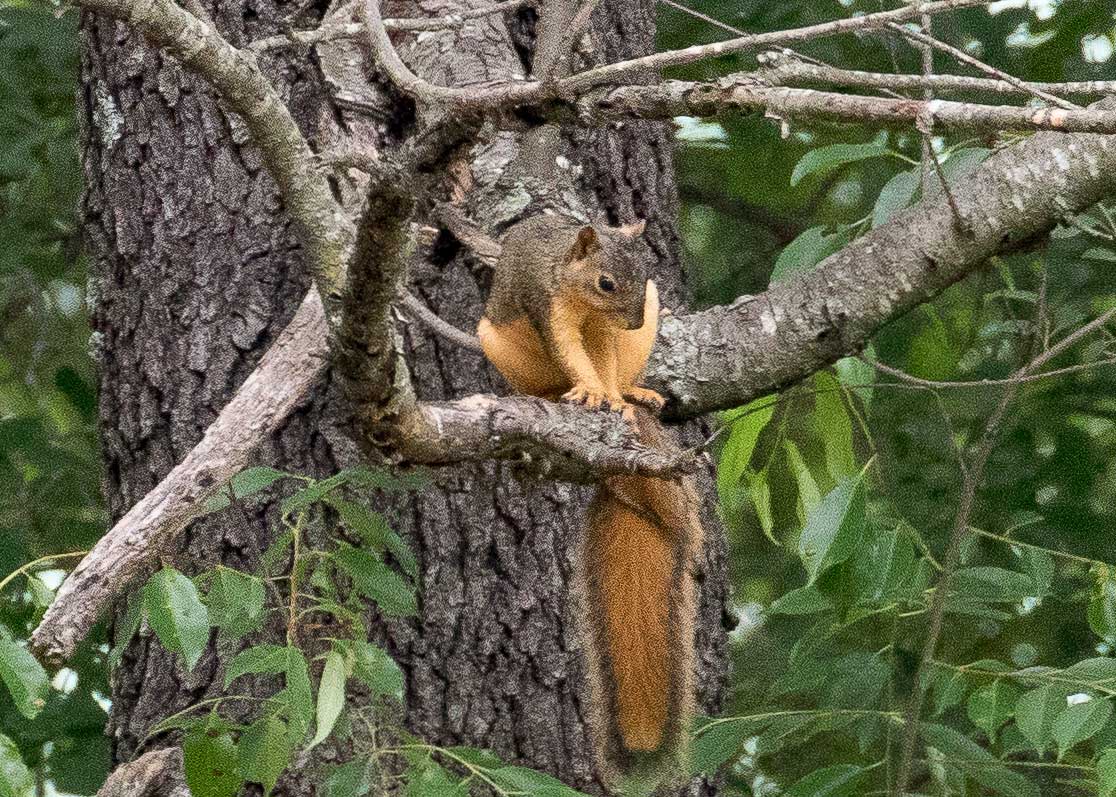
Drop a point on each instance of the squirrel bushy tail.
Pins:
(641, 537)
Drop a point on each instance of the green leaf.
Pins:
(1101, 612)
(276, 553)
(375, 580)
(480, 758)
(1096, 672)
(298, 697)
(716, 744)
(236, 602)
(376, 533)
(834, 781)
(210, 764)
(265, 658)
(41, 595)
(809, 248)
(25, 678)
(264, 752)
(16, 779)
(895, 196)
(245, 483)
(801, 601)
(826, 159)
(809, 495)
(834, 427)
(949, 689)
(745, 426)
(1079, 722)
(177, 614)
(529, 781)
(1102, 255)
(377, 670)
(331, 696)
(1035, 712)
(834, 528)
(992, 705)
(977, 763)
(314, 492)
(883, 565)
(993, 584)
(856, 376)
(1106, 773)
(760, 492)
(348, 780)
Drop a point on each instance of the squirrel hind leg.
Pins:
(519, 355)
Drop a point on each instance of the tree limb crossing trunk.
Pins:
(195, 271)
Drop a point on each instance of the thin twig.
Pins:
(418, 310)
(786, 68)
(932, 384)
(965, 58)
(761, 58)
(962, 222)
(928, 153)
(960, 529)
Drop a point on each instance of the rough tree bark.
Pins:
(195, 271)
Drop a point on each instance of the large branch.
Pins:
(282, 379)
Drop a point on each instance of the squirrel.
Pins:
(573, 315)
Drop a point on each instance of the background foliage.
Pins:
(839, 493)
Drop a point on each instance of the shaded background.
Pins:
(1051, 481)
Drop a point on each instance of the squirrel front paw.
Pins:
(591, 397)
(645, 396)
(594, 398)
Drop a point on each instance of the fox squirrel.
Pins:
(572, 314)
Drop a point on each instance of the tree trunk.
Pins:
(196, 269)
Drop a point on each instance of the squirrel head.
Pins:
(607, 267)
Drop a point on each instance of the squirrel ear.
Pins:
(633, 230)
(586, 242)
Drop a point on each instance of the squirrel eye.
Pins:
(606, 284)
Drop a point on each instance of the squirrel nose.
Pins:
(634, 320)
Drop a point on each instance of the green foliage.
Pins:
(176, 613)
(210, 761)
(16, 779)
(24, 677)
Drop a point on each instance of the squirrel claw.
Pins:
(645, 396)
(596, 399)
(580, 394)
